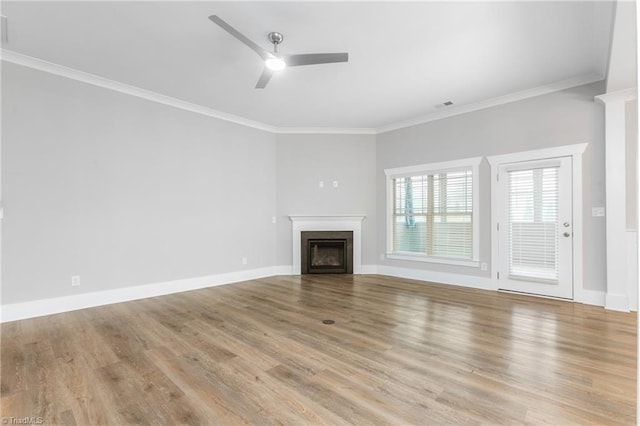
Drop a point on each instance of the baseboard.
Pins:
(369, 269)
(588, 297)
(288, 269)
(632, 268)
(38, 308)
(284, 270)
(483, 283)
(617, 302)
(592, 297)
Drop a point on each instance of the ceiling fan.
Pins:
(274, 61)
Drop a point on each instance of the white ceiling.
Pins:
(404, 58)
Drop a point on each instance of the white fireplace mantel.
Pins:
(327, 223)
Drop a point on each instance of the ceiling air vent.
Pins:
(444, 104)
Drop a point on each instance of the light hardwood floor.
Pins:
(400, 352)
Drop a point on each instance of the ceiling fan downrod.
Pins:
(275, 38)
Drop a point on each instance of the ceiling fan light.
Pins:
(275, 63)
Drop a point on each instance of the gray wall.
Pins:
(123, 191)
(304, 161)
(562, 118)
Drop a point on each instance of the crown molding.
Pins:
(618, 96)
(74, 74)
(500, 100)
(95, 80)
(327, 130)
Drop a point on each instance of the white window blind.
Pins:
(533, 224)
(433, 214)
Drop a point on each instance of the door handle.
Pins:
(566, 224)
(567, 234)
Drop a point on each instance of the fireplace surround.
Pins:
(326, 223)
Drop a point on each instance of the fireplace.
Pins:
(330, 223)
(326, 252)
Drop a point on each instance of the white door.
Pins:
(535, 232)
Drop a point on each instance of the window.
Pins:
(432, 212)
(533, 197)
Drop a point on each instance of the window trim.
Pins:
(432, 168)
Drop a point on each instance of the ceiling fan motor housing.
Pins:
(275, 37)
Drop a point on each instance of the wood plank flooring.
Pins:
(257, 352)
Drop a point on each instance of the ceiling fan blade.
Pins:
(264, 54)
(315, 58)
(264, 78)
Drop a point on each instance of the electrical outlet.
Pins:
(75, 281)
(244, 261)
(335, 183)
(273, 219)
(597, 211)
(483, 266)
(321, 184)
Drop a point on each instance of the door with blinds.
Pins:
(535, 227)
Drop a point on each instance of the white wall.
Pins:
(562, 118)
(631, 157)
(123, 191)
(304, 161)
(622, 72)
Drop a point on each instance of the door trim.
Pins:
(573, 151)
